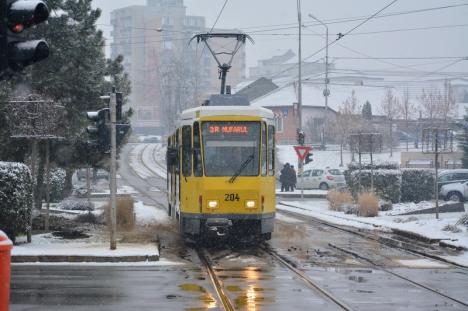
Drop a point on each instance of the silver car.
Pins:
(321, 178)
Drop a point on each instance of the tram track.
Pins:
(306, 279)
(385, 241)
(396, 274)
(217, 283)
(377, 266)
(141, 190)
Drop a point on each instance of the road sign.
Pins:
(302, 151)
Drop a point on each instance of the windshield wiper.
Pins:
(241, 168)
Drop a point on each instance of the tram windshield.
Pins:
(227, 145)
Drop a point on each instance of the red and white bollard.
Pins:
(5, 254)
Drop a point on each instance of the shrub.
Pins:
(57, 184)
(125, 213)
(463, 220)
(417, 185)
(16, 189)
(387, 183)
(368, 204)
(74, 204)
(337, 199)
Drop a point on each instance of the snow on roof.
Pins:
(312, 95)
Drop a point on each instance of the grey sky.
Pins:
(422, 43)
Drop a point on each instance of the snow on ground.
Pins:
(49, 245)
(136, 164)
(424, 225)
(160, 262)
(331, 158)
(146, 214)
(402, 208)
(153, 157)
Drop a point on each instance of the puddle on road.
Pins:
(207, 301)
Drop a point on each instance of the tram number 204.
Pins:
(231, 197)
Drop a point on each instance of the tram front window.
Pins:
(227, 147)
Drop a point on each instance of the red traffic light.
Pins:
(23, 14)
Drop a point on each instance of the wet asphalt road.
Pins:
(252, 279)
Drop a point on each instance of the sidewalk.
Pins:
(47, 248)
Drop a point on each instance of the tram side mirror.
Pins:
(172, 156)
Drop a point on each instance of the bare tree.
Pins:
(430, 101)
(348, 120)
(391, 109)
(407, 109)
(447, 105)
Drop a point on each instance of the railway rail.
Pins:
(306, 279)
(385, 241)
(376, 265)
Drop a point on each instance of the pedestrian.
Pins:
(293, 178)
(284, 178)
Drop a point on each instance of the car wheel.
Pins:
(323, 186)
(455, 197)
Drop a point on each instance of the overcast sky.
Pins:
(247, 14)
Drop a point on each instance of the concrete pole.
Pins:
(299, 90)
(33, 176)
(47, 218)
(113, 171)
(88, 184)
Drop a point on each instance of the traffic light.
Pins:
(119, 100)
(308, 158)
(16, 51)
(99, 133)
(300, 138)
(122, 131)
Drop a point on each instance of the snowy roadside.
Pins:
(93, 246)
(423, 225)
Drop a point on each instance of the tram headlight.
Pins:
(250, 204)
(212, 204)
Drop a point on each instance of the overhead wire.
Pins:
(339, 37)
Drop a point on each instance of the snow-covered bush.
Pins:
(451, 228)
(15, 198)
(463, 220)
(57, 184)
(75, 204)
(387, 183)
(417, 185)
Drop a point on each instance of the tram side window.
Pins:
(197, 158)
(187, 150)
(271, 150)
(264, 149)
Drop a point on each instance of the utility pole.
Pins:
(299, 87)
(326, 91)
(113, 168)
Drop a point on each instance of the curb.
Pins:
(80, 258)
(307, 196)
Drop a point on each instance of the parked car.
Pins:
(321, 178)
(457, 192)
(452, 176)
(100, 174)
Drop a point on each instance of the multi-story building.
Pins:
(167, 73)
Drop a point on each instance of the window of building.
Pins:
(279, 124)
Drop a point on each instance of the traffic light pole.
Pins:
(113, 170)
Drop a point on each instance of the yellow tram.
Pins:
(221, 171)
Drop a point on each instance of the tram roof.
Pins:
(209, 111)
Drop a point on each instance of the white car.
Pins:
(457, 192)
(321, 178)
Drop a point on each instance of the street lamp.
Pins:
(326, 92)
